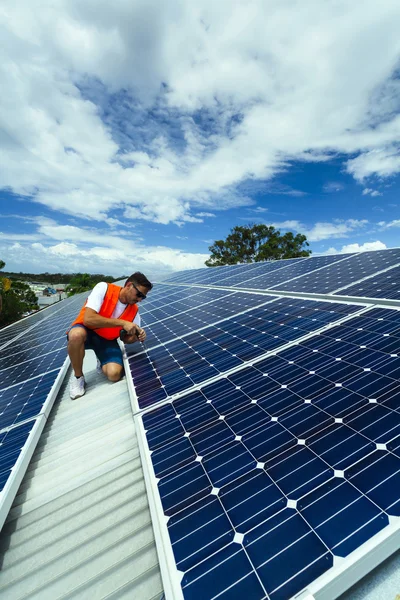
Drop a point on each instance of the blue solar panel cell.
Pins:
(11, 443)
(376, 422)
(342, 516)
(287, 554)
(183, 487)
(25, 400)
(32, 368)
(340, 446)
(251, 499)
(223, 466)
(298, 471)
(227, 574)
(198, 531)
(269, 441)
(378, 477)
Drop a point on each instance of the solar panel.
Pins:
(343, 273)
(198, 297)
(17, 445)
(297, 269)
(188, 321)
(263, 270)
(384, 285)
(178, 365)
(10, 332)
(312, 275)
(273, 477)
(32, 367)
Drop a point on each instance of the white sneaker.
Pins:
(98, 367)
(77, 387)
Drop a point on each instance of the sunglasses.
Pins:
(139, 294)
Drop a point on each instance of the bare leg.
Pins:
(113, 371)
(76, 349)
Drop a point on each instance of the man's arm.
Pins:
(93, 320)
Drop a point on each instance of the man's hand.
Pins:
(138, 335)
(130, 328)
(141, 334)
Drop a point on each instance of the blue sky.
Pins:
(133, 137)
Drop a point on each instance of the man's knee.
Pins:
(113, 371)
(77, 335)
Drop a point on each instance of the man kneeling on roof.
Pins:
(108, 310)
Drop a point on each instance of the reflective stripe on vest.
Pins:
(106, 310)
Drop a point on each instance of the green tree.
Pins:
(256, 242)
(16, 298)
(81, 282)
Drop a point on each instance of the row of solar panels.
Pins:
(335, 274)
(269, 407)
(271, 438)
(32, 367)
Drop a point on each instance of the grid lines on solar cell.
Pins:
(242, 275)
(32, 367)
(271, 279)
(163, 293)
(7, 334)
(25, 400)
(201, 316)
(11, 442)
(41, 349)
(210, 275)
(344, 272)
(384, 285)
(167, 370)
(198, 297)
(18, 353)
(268, 473)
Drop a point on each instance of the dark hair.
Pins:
(139, 279)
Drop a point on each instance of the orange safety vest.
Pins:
(106, 310)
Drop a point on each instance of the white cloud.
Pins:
(323, 231)
(73, 249)
(20, 237)
(333, 186)
(258, 209)
(382, 161)
(349, 248)
(278, 82)
(371, 192)
(395, 223)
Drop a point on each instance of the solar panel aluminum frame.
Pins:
(365, 301)
(14, 481)
(131, 388)
(171, 577)
(359, 563)
(342, 576)
(52, 395)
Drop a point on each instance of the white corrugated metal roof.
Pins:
(80, 525)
